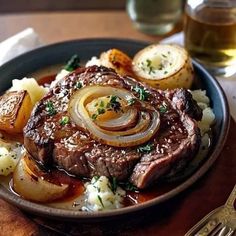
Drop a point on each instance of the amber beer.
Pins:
(210, 35)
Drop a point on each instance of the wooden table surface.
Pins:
(174, 217)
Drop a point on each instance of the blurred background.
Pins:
(14, 6)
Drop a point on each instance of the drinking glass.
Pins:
(154, 16)
(210, 34)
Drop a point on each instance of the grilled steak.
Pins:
(71, 148)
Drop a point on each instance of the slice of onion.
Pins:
(33, 187)
(127, 119)
(135, 136)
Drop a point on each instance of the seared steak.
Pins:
(71, 148)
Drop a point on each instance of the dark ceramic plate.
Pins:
(59, 53)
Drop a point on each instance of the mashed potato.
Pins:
(35, 91)
(101, 196)
(10, 154)
(208, 117)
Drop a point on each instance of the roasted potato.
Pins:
(15, 110)
(118, 61)
(163, 66)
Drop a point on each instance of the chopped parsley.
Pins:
(113, 184)
(147, 65)
(73, 63)
(163, 109)
(143, 94)
(130, 187)
(94, 116)
(50, 109)
(113, 103)
(101, 111)
(96, 178)
(131, 101)
(64, 120)
(146, 148)
(102, 107)
(100, 200)
(78, 85)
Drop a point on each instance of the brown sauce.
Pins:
(46, 80)
(77, 185)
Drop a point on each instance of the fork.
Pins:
(219, 222)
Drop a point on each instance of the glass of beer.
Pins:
(210, 34)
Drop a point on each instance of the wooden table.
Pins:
(174, 217)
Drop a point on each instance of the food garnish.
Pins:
(146, 148)
(64, 120)
(73, 63)
(50, 109)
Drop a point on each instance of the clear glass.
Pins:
(154, 16)
(210, 34)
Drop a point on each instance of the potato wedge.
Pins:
(15, 110)
(163, 66)
(118, 61)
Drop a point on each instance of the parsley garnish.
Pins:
(145, 148)
(78, 85)
(143, 94)
(147, 66)
(64, 120)
(113, 185)
(96, 178)
(130, 187)
(101, 111)
(163, 109)
(131, 101)
(50, 108)
(113, 103)
(94, 116)
(73, 63)
(100, 200)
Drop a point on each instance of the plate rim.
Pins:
(51, 212)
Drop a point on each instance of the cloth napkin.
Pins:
(22, 42)
(228, 84)
(28, 39)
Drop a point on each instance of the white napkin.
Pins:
(22, 42)
(228, 84)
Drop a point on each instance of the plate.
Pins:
(59, 53)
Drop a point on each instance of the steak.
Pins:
(72, 149)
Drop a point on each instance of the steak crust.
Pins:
(72, 149)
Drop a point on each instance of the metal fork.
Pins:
(219, 222)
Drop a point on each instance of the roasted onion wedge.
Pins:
(164, 66)
(15, 109)
(33, 186)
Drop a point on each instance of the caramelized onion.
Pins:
(134, 127)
